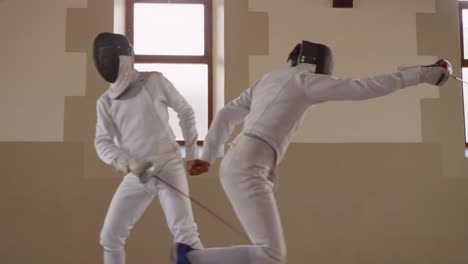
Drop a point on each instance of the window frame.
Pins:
(463, 5)
(207, 58)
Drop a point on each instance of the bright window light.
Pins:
(191, 80)
(465, 99)
(154, 23)
(465, 32)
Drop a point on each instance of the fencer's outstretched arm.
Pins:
(186, 117)
(223, 124)
(106, 149)
(322, 88)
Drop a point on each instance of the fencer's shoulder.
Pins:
(104, 99)
(151, 75)
(144, 76)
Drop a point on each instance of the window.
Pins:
(463, 7)
(175, 37)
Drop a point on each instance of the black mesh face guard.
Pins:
(317, 54)
(106, 51)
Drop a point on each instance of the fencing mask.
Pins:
(316, 54)
(114, 58)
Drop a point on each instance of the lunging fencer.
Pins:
(133, 134)
(271, 109)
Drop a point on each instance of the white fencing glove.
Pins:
(126, 164)
(435, 74)
(121, 163)
(432, 75)
(138, 166)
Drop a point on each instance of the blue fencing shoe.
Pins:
(178, 253)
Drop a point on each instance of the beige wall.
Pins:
(400, 199)
(37, 73)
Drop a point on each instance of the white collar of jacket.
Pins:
(127, 75)
(307, 67)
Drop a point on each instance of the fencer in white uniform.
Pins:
(271, 110)
(132, 134)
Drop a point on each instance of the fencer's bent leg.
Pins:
(128, 204)
(246, 175)
(176, 207)
(247, 180)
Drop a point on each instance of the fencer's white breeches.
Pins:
(248, 177)
(133, 197)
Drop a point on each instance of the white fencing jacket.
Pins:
(274, 106)
(137, 122)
